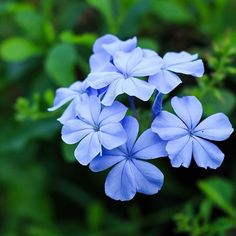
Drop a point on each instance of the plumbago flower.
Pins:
(105, 47)
(187, 137)
(122, 77)
(94, 127)
(107, 138)
(165, 80)
(131, 173)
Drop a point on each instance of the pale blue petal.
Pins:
(125, 46)
(106, 39)
(173, 58)
(216, 127)
(95, 108)
(88, 149)
(104, 162)
(169, 126)
(69, 113)
(63, 95)
(114, 89)
(75, 130)
(99, 62)
(146, 67)
(150, 53)
(189, 110)
(120, 184)
(125, 62)
(194, 68)
(99, 80)
(149, 146)
(115, 113)
(138, 88)
(164, 81)
(206, 154)
(131, 127)
(180, 151)
(112, 135)
(78, 86)
(88, 108)
(148, 178)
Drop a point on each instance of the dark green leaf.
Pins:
(60, 64)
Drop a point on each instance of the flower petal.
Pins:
(169, 126)
(112, 135)
(180, 151)
(189, 110)
(75, 130)
(120, 184)
(164, 81)
(69, 113)
(88, 149)
(84, 108)
(148, 178)
(131, 127)
(106, 39)
(114, 89)
(206, 154)
(173, 58)
(63, 95)
(146, 67)
(194, 68)
(216, 127)
(99, 80)
(115, 113)
(99, 61)
(125, 46)
(138, 88)
(105, 161)
(149, 146)
(125, 62)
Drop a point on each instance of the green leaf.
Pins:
(18, 49)
(222, 224)
(105, 8)
(171, 11)
(218, 100)
(30, 21)
(60, 64)
(86, 39)
(220, 191)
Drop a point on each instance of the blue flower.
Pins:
(105, 47)
(94, 126)
(122, 77)
(166, 79)
(65, 95)
(131, 172)
(187, 137)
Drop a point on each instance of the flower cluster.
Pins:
(107, 137)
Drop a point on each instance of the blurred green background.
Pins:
(45, 44)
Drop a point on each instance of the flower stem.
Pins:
(132, 106)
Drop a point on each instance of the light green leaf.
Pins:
(30, 21)
(60, 63)
(171, 11)
(18, 49)
(84, 39)
(218, 101)
(220, 191)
